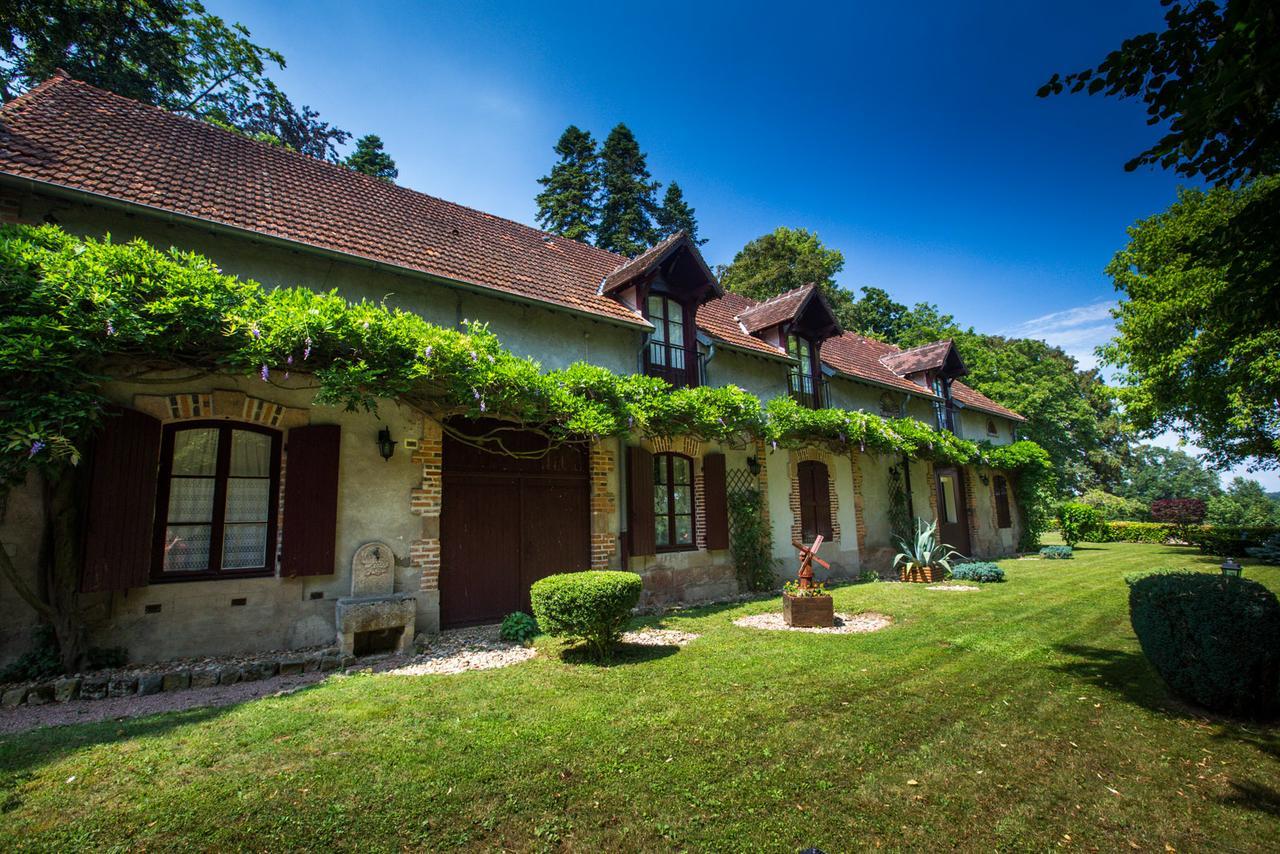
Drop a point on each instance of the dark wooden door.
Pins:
(507, 521)
(953, 517)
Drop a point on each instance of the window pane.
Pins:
(684, 530)
(195, 451)
(659, 469)
(680, 467)
(660, 498)
(657, 318)
(657, 353)
(247, 499)
(186, 548)
(948, 498)
(662, 532)
(190, 499)
(244, 546)
(250, 454)
(683, 499)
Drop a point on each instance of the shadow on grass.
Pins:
(1254, 796)
(624, 654)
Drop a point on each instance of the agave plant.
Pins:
(925, 550)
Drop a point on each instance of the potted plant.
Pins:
(807, 606)
(924, 559)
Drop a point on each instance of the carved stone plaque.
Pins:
(373, 570)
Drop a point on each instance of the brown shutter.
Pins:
(640, 527)
(310, 500)
(822, 499)
(122, 503)
(716, 501)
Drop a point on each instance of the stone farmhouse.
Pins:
(225, 512)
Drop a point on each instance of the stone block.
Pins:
(259, 670)
(150, 683)
(328, 662)
(176, 680)
(121, 686)
(94, 688)
(311, 664)
(230, 674)
(40, 694)
(291, 666)
(13, 697)
(66, 690)
(205, 677)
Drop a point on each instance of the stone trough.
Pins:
(374, 618)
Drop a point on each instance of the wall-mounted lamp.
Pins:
(753, 466)
(386, 445)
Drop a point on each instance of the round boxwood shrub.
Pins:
(1211, 638)
(592, 607)
(977, 571)
(1056, 553)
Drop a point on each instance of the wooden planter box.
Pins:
(808, 611)
(922, 575)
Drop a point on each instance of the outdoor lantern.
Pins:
(386, 445)
(753, 466)
(1231, 568)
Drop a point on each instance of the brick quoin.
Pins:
(604, 505)
(425, 501)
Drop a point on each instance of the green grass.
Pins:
(1025, 714)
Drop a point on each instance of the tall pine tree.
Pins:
(568, 204)
(627, 212)
(370, 158)
(676, 215)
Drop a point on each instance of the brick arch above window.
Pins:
(221, 404)
(806, 458)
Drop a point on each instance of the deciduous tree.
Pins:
(785, 259)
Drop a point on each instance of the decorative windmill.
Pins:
(809, 556)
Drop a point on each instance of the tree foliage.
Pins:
(783, 260)
(676, 215)
(1199, 353)
(567, 205)
(169, 53)
(629, 204)
(370, 158)
(1156, 473)
(1244, 504)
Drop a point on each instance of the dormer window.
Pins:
(671, 352)
(804, 379)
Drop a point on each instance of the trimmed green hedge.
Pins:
(977, 571)
(1210, 637)
(1229, 541)
(1156, 533)
(593, 607)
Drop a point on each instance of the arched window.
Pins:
(217, 500)
(673, 512)
(815, 500)
(1000, 488)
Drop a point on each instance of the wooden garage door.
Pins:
(507, 521)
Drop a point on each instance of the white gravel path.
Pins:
(659, 637)
(959, 587)
(845, 624)
(459, 650)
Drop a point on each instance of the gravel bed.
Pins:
(659, 637)
(459, 650)
(845, 624)
(960, 587)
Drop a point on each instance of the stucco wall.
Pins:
(21, 526)
(842, 552)
(197, 617)
(763, 377)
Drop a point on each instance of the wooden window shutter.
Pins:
(815, 500)
(641, 536)
(310, 500)
(1001, 487)
(122, 503)
(715, 501)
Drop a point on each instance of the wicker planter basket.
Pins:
(922, 574)
(808, 611)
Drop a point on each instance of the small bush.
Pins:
(977, 571)
(1156, 533)
(1224, 541)
(1210, 637)
(1056, 553)
(592, 607)
(38, 662)
(1178, 511)
(1268, 552)
(1080, 523)
(518, 627)
(1115, 508)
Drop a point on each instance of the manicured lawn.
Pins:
(1024, 714)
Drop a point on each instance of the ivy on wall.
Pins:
(76, 313)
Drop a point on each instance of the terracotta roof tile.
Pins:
(923, 358)
(719, 319)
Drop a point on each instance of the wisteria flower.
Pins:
(474, 357)
(482, 407)
(264, 373)
(306, 353)
(426, 354)
(289, 361)
(254, 331)
(111, 330)
(36, 447)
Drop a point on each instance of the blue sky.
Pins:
(910, 140)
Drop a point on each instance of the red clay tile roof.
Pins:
(923, 358)
(71, 134)
(68, 134)
(652, 257)
(976, 400)
(777, 309)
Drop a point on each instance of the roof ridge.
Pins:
(63, 79)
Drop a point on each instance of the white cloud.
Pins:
(1076, 330)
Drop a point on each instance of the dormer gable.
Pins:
(674, 266)
(927, 364)
(803, 311)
